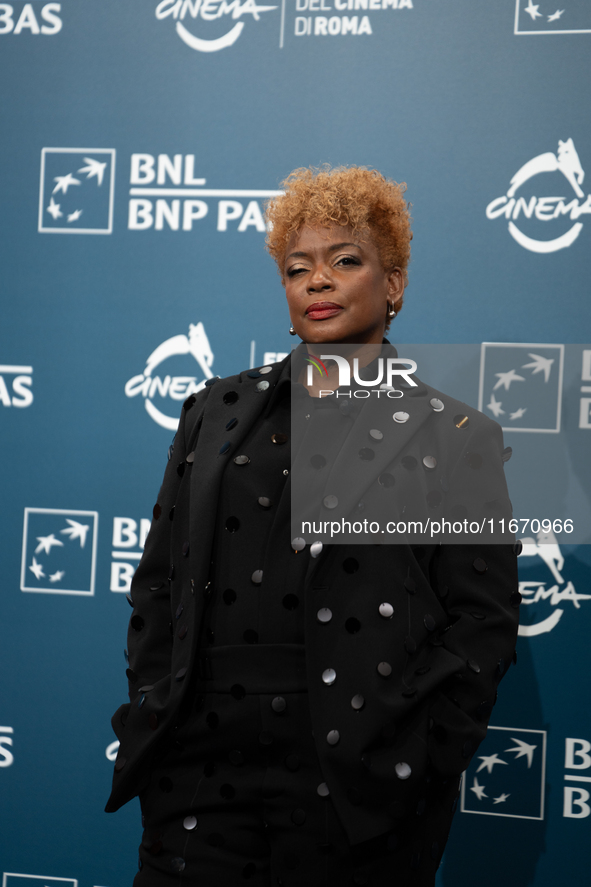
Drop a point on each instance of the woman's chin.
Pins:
(324, 331)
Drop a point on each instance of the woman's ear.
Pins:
(396, 284)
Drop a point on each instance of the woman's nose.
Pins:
(319, 280)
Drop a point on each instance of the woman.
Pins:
(300, 716)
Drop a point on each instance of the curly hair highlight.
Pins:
(354, 196)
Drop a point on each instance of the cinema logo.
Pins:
(545, 597)
(207, 25)
(519, 208)
(205, 13)
(165, 194)
(187, 367)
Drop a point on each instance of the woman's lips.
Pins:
(323, 310)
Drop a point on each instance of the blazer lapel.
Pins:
(235, 397)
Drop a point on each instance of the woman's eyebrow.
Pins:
(332, 248)
(336, 246)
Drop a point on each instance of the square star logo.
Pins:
(12, 879)
(547, 18)
(76, 191)
(521, 385)
(507, 776)
(59, 551)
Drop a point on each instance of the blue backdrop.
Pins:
(139, 142)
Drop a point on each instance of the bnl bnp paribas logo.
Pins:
(20, 18)
(77, 193)
(508, 777)
(530, 217)
(59, 551)
(546, 17)
(521, 387)
(76, 190)
(59, 556)
(16, 384)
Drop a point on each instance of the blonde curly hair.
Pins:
(356, 196)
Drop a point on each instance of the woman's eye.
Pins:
(293, 271)
(348, 260)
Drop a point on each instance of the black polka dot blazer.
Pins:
(415, 682)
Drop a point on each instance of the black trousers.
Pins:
(240, 796)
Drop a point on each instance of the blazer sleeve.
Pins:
(479, 589)
(149, 635)
(477, 585)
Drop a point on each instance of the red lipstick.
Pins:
(323, 310)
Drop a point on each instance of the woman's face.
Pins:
(336, 287)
